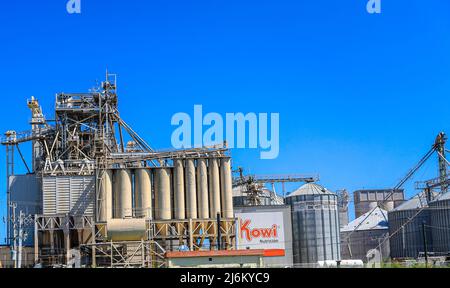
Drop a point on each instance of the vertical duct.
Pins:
(227, 188)
(143, 193)
(191, 191)
(202, 189)
(163, 205)
(180, 211)
(123, 194)
(214, 187)
(106, 193)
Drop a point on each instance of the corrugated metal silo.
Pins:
(440, 224)
(315, 221)
(405, 228)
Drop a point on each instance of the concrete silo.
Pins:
(365, 233)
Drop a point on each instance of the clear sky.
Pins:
(361, 97)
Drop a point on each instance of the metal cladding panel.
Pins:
(440, 225)
(26, 193)
(407, 242)
(315, 221)
(49, 195)
(73, 195)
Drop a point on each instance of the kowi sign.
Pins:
(260, 231)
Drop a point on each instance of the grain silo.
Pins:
(365, 233)
(315, 225)
(405, 228)
(440, 224)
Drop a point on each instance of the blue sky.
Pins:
(361, 97)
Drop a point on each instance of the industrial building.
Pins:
(365, 234)
(315, 225)
(387, 199)
(96, 191)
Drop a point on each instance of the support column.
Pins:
(36, 241)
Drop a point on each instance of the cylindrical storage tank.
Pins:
(191, 190)
(143, 193)
(315, 223)
(405, 228)
(227, 188)
(202, 189)
(368, 232)
(163, 201)
(214, 187)
(123, 193)
(440, 224)
(126, 229)
(106, 196)
(178, 190)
